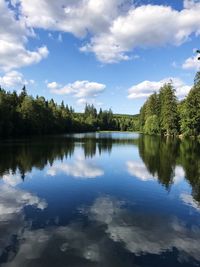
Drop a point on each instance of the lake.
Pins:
(100, 199)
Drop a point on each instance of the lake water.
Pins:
(108, 199)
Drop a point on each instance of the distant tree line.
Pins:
(24, 115)
(163, 114)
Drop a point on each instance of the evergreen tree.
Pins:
(168, 112)
(190, 120)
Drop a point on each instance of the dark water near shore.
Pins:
(109, 199)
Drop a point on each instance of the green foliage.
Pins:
(168, 111)
(23, 115)
(127, 122)
(190, 110)
(172, 117)
(151, 125)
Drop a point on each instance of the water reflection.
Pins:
(139, 170)
(79, 168)
(23, 156)
(161, 157)
(165, 160)
(12, 204)
(111, 228)
(99, 200)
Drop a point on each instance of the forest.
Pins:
(24, 115)
(163, 114)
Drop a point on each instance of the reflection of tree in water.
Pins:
(162, 155)
(24, 155)
(190, 160)
(159, 155)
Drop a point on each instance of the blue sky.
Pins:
(111, 53)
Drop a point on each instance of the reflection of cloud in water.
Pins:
(179, 175)
(143, 234)
(12, 179)
(80, 168)
(189, 200)
(12, 203)
(139, 170)
(13, 200)
(56, 247)
(111, 228)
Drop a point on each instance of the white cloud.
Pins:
(146, 88)
(142, 26)
(192, 63)
(115, 27)
(78, 89)
(13, 80)
(139, 170)
(77, 17)
(80, 168)
(53, 85)
(14, 35)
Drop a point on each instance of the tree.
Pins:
(190, 120)
(151, 125)
(168, 111)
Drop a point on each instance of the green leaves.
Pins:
(172, 117)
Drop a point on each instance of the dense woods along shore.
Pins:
(163, 114)
(24, 115)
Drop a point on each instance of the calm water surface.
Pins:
(108, 199)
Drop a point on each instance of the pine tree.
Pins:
(191, 121)
(168, 112)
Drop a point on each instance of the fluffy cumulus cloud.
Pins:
(115, 27)
(192, 63)
(13, 79)
(83, 91)
(14, 35)
(146, 88)
(142, 26)
(77, 17)
(80, 168)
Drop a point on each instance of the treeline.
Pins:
(163, 114)
(24, 115)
